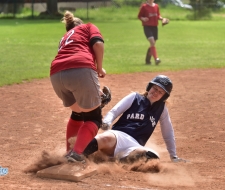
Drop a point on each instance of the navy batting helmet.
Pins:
(164, 82)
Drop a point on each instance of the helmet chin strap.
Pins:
(164, 98)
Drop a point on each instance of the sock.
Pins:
(73, 125)
(72, 130)
(149, 51)
(153, 52)
(85, 134)
(91, 147)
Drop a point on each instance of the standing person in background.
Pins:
(149, 15)
(74, 76)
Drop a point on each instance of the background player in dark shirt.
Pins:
(139, 115)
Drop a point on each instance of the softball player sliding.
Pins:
(74, 76)
(149, 15)
(140, 114)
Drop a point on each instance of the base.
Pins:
(68, 171)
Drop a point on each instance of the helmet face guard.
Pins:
(164, 82)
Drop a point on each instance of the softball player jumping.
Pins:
(140, 114)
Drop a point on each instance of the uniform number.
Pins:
(63, 42)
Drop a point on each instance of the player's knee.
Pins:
(91, 147)
(77, 116)
(107, 142)
(104, 140)
(94, 116)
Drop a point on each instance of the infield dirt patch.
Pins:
(33, 120)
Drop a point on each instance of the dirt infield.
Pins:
(33, 120)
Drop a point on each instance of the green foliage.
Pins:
(114, 13)
(120, 3)
(203, 9)
(199, 4)
(201, 14)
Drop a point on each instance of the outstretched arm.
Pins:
(168, 132)
(168, 136)
(119, 108)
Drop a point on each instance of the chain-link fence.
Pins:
(11, 8)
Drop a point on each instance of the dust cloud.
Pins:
(155, 172)
(47, 159)
(173, 174)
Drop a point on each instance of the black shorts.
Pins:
(151, 31)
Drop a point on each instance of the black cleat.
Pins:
(74, 157)
(136, 156)
(157, 61)
(150, 155)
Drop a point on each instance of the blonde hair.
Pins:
(70, 21)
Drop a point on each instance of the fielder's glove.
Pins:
(165, 21)
(176, 159)
(105, 126)
(106, 96)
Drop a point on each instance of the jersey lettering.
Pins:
(67, 41)
(152, 119)
(135, 116)
(152, 14)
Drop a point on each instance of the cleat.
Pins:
(151, 155)
(136, 156)
(157, 61)
(74, 157)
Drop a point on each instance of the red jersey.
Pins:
(75, 50)
(152, 12)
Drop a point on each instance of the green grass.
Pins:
(127, 13)
(28, 46)
(181, 45)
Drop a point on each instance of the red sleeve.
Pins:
(94, 31)
(141, 12)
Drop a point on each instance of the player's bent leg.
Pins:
(148, 57)
(153, 50)
(92, 122)
(106, 142)
(75, 122)
(94, 116)
(152, 41)
(91, 148)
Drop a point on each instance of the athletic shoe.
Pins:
(74, 157)
(138, 156)
(151, 155)
(157, 61)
